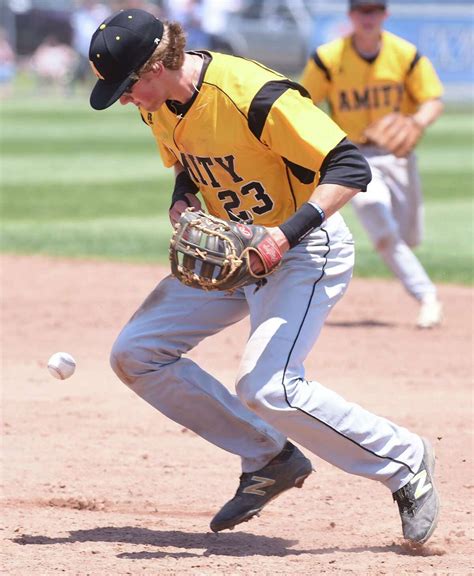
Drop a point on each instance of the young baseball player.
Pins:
(253, 144)
(383, 93)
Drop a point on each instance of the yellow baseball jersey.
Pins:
(251, 140)
(359, 92)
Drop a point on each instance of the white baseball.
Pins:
(61, 365)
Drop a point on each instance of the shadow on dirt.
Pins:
(359, 324)
(236, 544)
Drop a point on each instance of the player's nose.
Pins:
(125, 99)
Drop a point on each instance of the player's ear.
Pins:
(157, 68)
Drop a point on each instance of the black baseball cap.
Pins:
(359, 3)
(119, 48)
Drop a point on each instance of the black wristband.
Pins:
(302, 222)
(183, 185)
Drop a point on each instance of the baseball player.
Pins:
(371, 78)
(253, 144)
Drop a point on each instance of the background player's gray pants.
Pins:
(274, 399)
(392, 213)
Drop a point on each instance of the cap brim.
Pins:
(104, 94)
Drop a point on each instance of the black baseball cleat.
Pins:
(418, 501)
(288, 469)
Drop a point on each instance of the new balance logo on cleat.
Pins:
(421, 487)
(260, 483)
(418, 501)
(289, 469)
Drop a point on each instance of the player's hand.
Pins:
(180, 206)
(277, 235)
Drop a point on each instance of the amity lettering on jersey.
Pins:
(251, 140)
(360, 91)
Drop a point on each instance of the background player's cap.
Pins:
(118, 49)
(358, 3)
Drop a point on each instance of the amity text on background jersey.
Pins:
(360, 91)
(251, 140)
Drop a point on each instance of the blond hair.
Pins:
(170, 51)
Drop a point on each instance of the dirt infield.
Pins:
(94, 481)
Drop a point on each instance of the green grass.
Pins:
(446, 252)
(75, 182)
(81, 183)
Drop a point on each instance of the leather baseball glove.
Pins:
(213, 254)
(395, 132)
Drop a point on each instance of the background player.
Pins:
(364, 77)
(254, 145)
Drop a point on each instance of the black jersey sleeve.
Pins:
(345, 165)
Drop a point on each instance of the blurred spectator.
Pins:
(7, 64)
(85, 19)
(214, 17)
(151, 7)
(53, 63)
(189, 14)
(177, 10)
(196, 36)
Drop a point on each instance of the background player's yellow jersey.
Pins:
(251, 139)
(359, 92)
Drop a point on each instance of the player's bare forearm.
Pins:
(428, 112)
(332, 197)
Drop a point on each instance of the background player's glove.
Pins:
(213, 254)
(395, 132)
